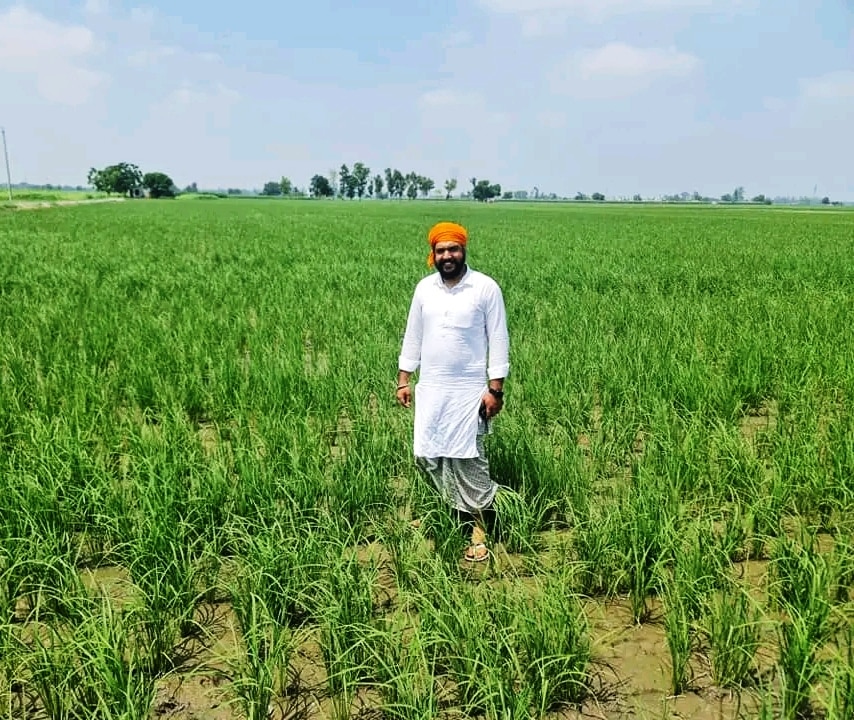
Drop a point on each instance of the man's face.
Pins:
(450, 259)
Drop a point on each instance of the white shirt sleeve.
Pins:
(497, 337)
(410, 354)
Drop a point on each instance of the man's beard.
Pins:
(452, 274)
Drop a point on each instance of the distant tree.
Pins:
(825, 200)
(320, 187)
(118, 179)
(234, 191)
(758, 199)
(425, 185)
(361, 174)
(191, 188)
(637, 198)
(395, 182)
(286, 185)
(521, 195)
(272, 188)
(484, 190)
(378, 185)
(159, 185)
(345, 182)
(333, 180)
(580, 196)
(598, 196)
(450, 186)
(508, 195)
(738, 194)
(412, 185)
(726, 197)
(536, 192)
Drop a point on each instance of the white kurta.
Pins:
(458, 338)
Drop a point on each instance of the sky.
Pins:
(613, 96)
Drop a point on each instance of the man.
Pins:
(456, 336)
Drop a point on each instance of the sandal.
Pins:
(473, 553)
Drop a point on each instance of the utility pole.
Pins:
(6, 156)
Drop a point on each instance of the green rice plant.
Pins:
(403, 544)
(404, 666)
(470, 637)
(700, 565)
(12, 664)
(93, 670)
(800, 669)
(263, 668)
(840, 704)
(448, 530)
(166, 573)
(842, 570)
(599, 569)
(345, 629)
(519, 518)
(678, 633)
(733, 631)
(800, 584)
(646, 517)
(554, 647)
(287, 562)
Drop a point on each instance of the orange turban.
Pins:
(445, 232)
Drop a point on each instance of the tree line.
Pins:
(359, 182)
(127, 179)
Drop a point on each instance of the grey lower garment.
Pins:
(463, 482)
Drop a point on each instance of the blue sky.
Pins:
(614, 96)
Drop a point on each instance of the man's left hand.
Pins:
(492, 405)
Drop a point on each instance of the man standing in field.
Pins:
(456, 333)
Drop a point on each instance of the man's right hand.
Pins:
(404, 396)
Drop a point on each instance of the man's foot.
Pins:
(476, 553)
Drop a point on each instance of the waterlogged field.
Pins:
(209, 508)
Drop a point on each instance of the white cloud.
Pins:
(96, 7)
(53, 55)
(540, 18)
(619, 70)
(598, 8)
(831, 86)
(147, 57)
(627, 61)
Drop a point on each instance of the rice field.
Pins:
(209, 509)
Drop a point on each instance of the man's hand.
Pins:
(491, 405)
(404, 396)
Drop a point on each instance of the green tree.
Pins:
(412, 185)
(272, 188)
(361, 174)
(320, 187)
(286, 185)
(159, 185)
(825, 200)
(119, 179)
(598, 196)
(378, 185)
(484, 190)
(346, 184)
(425, 185)
(450, 186)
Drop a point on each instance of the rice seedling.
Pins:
(732, 629)
(263, 668)
(678, 632)
(405, 669)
